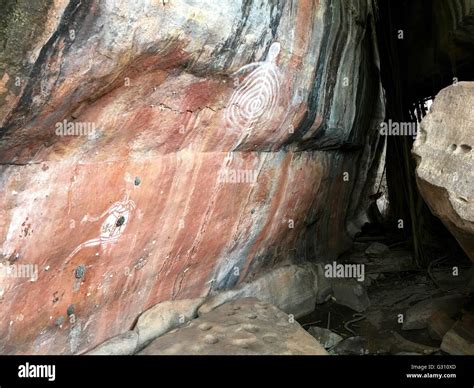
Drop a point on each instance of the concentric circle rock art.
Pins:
(255, 99)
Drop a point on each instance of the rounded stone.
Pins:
(211, 339)
(270, 338)
(244, 343)
(205, 326)
(251, 316)
(250, 328)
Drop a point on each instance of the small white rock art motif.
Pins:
(256, 97)
(118, 216)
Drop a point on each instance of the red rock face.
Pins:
(183, 223)
(138, 167)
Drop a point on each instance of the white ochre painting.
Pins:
(117, 217)
(255, 99)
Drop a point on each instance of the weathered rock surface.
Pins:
(122, 345)
(136, 167)
(396, 261)
(400, 344)
(445, 161)
(459, 340)
(164, 317)
(350, 293)
(241, 327)
(325, 337)
(298, 296)
(352, 346)
(439, 324)
(418, 316)
(376, 249)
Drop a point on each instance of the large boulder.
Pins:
(445, 161)
(122, 345)
(294, 289)
(164, 317)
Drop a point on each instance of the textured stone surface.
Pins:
(325, 337)
(176, 194)
(417, 316)
(350, 293)
(352, 346)
(164, 317)
(121, 345)
(376, 249)
(245, 326)
(293, 289)
(445, 161)
(459, 340)
(400, 344)
(25, 27)
(438, 325)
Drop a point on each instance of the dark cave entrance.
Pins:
(412, 76)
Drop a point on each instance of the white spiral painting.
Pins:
(256, 97)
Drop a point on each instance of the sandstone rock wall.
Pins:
(169, 150)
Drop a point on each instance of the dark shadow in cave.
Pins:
(429, 56)
(421, 52)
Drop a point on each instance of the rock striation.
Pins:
(154, 151)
